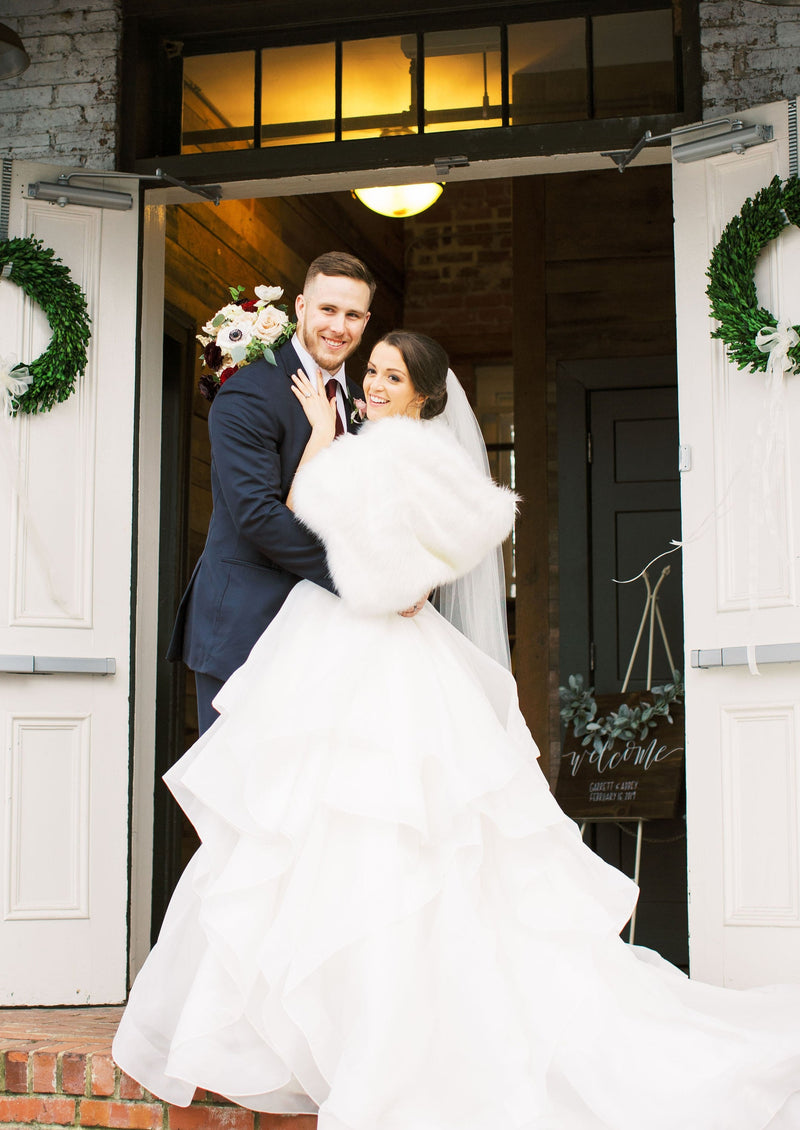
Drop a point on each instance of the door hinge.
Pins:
(588, 447)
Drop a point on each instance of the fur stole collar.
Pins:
(401, 509)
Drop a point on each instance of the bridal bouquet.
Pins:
(242, 331)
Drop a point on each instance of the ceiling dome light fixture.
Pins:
(13, 56)
(400, 201)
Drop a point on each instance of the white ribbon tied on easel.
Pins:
(14, 382)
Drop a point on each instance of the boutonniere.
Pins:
(242, 331)
(359, 411)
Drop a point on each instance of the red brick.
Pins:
(17, 1072)
(287, 1122)
(52, 1110)
(73, 1073)
(129, 1088)
(211, 1118)
(128, 1116)
(44, 1071)
(102, 1075)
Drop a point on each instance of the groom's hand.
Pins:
(415, 608)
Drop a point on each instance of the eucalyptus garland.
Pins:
(732, 288)
(46, 280)
(579, 709)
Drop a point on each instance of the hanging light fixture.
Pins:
(13, 56)
(400, 201)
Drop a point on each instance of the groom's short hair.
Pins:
(340, 264)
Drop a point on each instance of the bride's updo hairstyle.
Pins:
(427, 365)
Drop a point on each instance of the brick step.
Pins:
(56, 1070)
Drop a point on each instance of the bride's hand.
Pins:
(320, 412)
(415, 608)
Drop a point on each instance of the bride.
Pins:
(389, 920)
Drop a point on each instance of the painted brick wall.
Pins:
(750, 54)
(64, 106)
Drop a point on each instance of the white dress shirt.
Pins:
(311, 369)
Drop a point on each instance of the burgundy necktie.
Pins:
(330, 392)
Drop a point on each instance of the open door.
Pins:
(741, 529)
(66, 505)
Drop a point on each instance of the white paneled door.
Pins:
(741, 525)
(66, 504)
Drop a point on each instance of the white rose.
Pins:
(270, 324)
(268, 293)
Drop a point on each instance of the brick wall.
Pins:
(73, 1081)
(750, 54)
(458, 272)
(64, 106)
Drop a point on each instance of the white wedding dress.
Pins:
(389, 920)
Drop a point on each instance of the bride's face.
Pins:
(387, 385)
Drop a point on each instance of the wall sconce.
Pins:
(399, 201)
(13, 56)
(734, 140)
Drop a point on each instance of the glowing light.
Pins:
(400, 200)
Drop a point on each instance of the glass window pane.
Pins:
(298, 94)
(547, 71)
(218, 102)
(462, 79)
(634, 71)
(378, 87)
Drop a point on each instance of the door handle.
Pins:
(55, 665)
(737, 656)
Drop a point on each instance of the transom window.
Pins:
(577, 69)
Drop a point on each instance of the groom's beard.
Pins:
(328, 360)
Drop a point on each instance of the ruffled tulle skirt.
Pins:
(391, 922)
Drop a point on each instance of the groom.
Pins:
(256, 550)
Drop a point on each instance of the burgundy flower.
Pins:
(207, 387)
(212, 355)
(247, 304)
(227, 373)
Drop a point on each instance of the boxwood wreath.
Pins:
(46, 280)
(732, 288)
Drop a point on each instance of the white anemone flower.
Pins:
(234, 339)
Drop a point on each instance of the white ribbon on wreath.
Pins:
(777, 341)
(14, 382)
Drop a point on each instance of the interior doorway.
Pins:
(448, 273)
(618, 467)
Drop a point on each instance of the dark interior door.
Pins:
(634, 513)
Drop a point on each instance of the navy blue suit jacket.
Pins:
(256, 550)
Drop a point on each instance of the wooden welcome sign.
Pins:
(640, 779)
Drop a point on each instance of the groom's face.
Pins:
(332, 314)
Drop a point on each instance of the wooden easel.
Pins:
(653, 613)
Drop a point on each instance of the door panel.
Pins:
(635, 512)
(740, 588)
(65, 580)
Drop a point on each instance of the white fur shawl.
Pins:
(401, 509)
